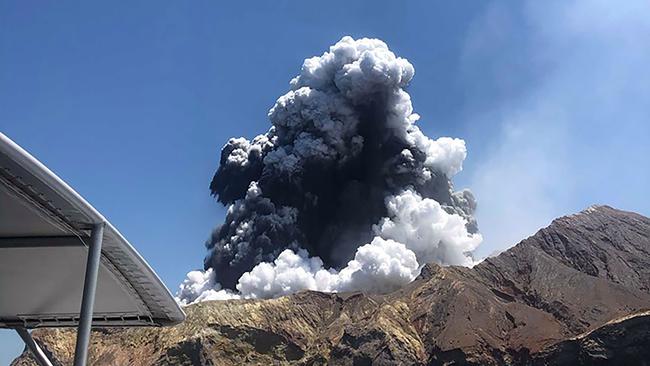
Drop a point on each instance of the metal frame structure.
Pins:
(87, 304)
(38, 353)
(110, 260)
(88, 297)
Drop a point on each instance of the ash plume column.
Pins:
(342, 178)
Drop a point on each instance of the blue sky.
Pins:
(552, 99)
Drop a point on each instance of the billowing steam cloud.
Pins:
(344, 192)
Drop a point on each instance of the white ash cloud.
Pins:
(428, 230)
(344, 192)
(201, 286)
(380, 266)
(416, 232)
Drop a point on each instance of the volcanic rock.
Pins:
(576, 292)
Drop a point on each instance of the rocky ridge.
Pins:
(576, 292)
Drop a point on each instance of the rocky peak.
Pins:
(602, 242)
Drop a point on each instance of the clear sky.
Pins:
(131, 102)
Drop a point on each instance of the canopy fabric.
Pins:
(44, 236)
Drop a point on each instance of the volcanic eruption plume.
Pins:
(343, 192)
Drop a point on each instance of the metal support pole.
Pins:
(39, 355)
(88, 299)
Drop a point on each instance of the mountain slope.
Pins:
(601, 242)
(525, 306)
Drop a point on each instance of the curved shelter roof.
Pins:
(45, 230)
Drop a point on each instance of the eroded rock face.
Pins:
(623, 341)
(549, 300)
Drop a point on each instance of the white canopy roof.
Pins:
(44, 235)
